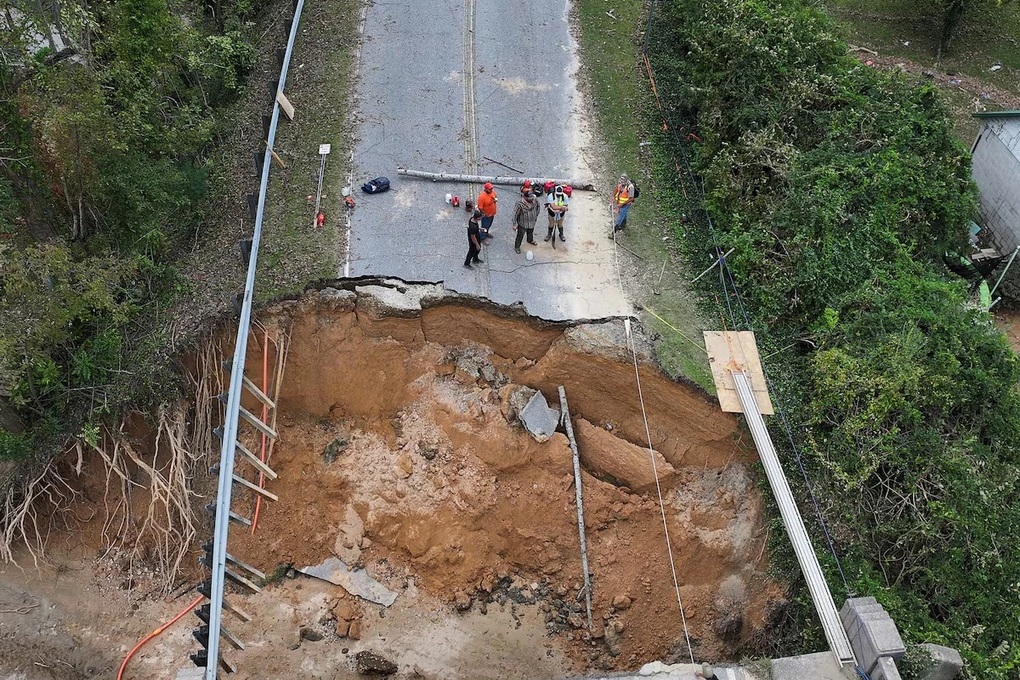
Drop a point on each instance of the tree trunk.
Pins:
(950, 22)
(9, 418)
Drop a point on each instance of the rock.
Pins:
(618, 626)
(427, 450)
(729, 626)
(342, 628)
(370, 663)
(310, 634)
(462, 601)
(605, 454)
(405, 466)
(343, 610)
(612, 640)
(354, 631)
(621, 603)
(335, 449)
(576, 621)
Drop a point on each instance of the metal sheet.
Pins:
(354, 581)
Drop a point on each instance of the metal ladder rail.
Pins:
(836, 635)
(229, 442)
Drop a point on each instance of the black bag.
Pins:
(637, 192)
(376, 186)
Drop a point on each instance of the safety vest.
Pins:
(622, 193)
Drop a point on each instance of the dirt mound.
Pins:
(394, 450)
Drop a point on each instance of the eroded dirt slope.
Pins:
(400, 450)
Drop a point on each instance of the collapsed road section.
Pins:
(403, 453)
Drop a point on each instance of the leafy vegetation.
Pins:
(839, 188)
(105, 133)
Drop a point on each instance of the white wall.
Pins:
(997, 174)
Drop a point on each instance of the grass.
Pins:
(614, 79)
(293, 251)
(989, 35)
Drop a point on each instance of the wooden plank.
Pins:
(236, 611)
(285, 105)
(736, 351)
(243, 521)
(256, 423)
(256, 488)
(231, 638)
(240, 580)
(257, 393)
(254, 460)
(247, 567)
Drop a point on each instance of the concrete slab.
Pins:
(885, 669)
(946, 663)
(854, 604)
(538, 418)
(820, 666)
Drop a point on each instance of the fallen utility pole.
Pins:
(581, 184)
(565, 415)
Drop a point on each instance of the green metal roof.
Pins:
(998, 114)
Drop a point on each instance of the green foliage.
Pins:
(104, 171)
(840, 187)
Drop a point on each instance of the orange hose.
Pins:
(198, 600)
(265, 418)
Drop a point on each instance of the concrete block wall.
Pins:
(873, 636)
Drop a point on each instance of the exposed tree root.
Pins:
(20, 519)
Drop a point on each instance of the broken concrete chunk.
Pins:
(370, 663)
(356, 581)
(606, 455)
(310, 634)
(538, 418)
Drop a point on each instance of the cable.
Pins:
(699, 345)
(123, 665)
(658, 490)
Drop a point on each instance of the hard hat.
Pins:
(488, 186)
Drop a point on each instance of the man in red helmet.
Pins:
(487, 204)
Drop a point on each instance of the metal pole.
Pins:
(806, 557)
(226, 479)
(1003, 275)
(579, 184)
(714, 264)
(565, 416)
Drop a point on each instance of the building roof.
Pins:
(1013, 113)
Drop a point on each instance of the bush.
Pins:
(840, 187)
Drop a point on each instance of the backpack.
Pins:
(567, 190)
(637, 192)
(376, 186)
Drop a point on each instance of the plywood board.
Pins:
(736, 351)
(285, 104)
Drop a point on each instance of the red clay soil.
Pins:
(433, 477)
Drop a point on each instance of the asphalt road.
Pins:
(444, 84)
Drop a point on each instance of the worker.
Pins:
(487, 204)
(474, 241)
(524, 218)
(556, 205)
(320, 220)
(623, 197)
